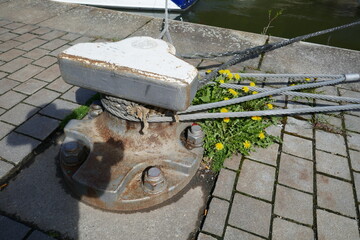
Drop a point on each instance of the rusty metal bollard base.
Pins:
(110, 165)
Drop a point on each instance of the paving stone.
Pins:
(50, 74)
(4, 22)
(236, 234)
(19, 114)
(34, 43)
(15, 64)
(352, 123)
(25, 37)
(30, 86)
(36, 53)
(7, 84)
(3, 30)
(78, 95)
(266, 155)
(302, 128)
(25, 29)
(71, 36)
(216, 217)
(11, 54)
(59, 50)
(256, 179)
(203, 236)
(54, 44)
(10, 99)
(11, 229)
(354, 141)
(357, 184)
(332, 164)
(335, 195)
(294, 205)
(38, 126)
(233, 162)
(37, 235)
(15, 147)
(5, 129)
(297, 146)
(285, 230)
(59, 109)
(332, 226)
(2, 111)
(7, 36)
(42, 98)
(251, 215)
(26, 73)
(328, 90)
(45, 61)
(296, 173)
(225, 184)
(2, 75)
(52, 35)
(14, 25)
(355, 160)
(41, 30)
(6, 46)
(5, 169)
(330, 142)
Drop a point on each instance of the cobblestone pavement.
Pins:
(33, 100)
(305, 187)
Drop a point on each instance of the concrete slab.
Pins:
(38, 195)
(32, 11)
(189, 38)
(97, 22)
(306, 57)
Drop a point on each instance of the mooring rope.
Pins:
(165, 31)
(120, 107)
(251, 53)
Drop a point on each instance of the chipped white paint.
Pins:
(141, 54)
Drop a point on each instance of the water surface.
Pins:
(299, 17)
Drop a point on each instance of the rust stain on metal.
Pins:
(90, 63)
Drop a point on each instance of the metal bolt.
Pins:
(195, 137)
(95, 107)
(154, 181)
(71, 147)
(73, 153)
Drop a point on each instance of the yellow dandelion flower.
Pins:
(256, 118)
(247, 144)
(261, 135)
(221, 71)
(237, 76)
(230, 75)
(221, 81)
(219, 146)
(292, 84)
(254, 92)
(208, 71)
(224, 110)
(227, 71)
(307, 79)
(252, 84)
(226, 98)
(246, 89)
(226, 120)
(233, 92)
(270, 106)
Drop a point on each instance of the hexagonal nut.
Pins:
(73, 157)
(154, 187)
(195, 139)
(95, 113)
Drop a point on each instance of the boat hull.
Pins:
(173, 5)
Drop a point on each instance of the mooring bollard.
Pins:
(116, 160)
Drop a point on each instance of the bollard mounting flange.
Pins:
(124, 170)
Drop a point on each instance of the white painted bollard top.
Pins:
(140, 69)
